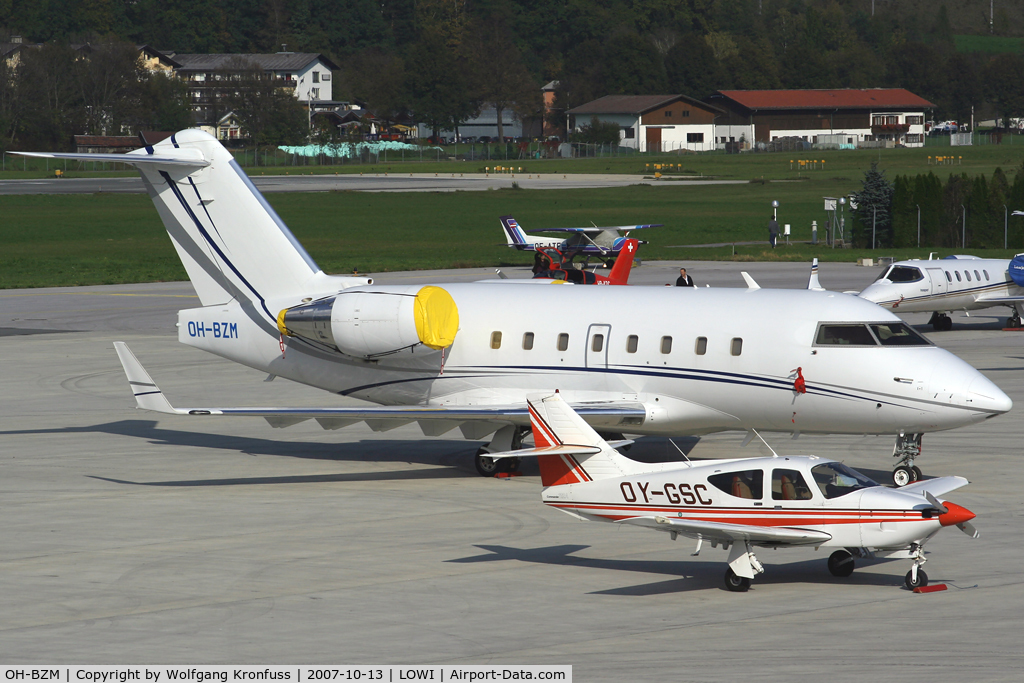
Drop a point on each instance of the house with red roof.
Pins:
(892, 116)
(653, 123)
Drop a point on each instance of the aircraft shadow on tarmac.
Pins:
(688, 574)
(449, 458)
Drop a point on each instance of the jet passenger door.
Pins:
(938, 279)
(597, 345)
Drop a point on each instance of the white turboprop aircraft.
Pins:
(642, 360)
(954, 283)
(743, 503)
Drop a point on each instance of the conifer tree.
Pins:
(874, 210)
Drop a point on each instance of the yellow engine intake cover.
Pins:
(437, 317)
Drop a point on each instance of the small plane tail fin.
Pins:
(514, 235)
(147, 394)
(812, 281)
(232, 243)
(619, 274)
(555, 424)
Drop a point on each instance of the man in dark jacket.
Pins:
(684, 280)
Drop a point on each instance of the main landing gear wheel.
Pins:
(922, 580)
(1013, 320)
(903, 475)
(840, 563)
(485, 465)
(740, 584)
(942, 322)
(918, 476)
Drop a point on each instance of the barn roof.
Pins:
(868, 98)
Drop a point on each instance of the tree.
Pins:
(691, 68)
(438, 97)
(1003, 76)
(500, 78)
(874, 209)
(267, 113)
(597, 132)
(904, 213)
(49, 96)
(111, 81)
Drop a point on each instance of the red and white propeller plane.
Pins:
(769, 502)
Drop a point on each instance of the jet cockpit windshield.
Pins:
(871, 334)
(836, 479)
(901, 274)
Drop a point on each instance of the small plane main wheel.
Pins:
(486, 466)
(922, 580)
(509, 464)
(1013, 321)
(918, 476)
(840, 563)
(738, 584)
(902, 475)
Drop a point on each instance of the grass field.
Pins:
(57, 240)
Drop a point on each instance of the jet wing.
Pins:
(722, 531)
(1008, 300)
(474, 421)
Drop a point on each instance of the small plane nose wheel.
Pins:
(916, 578)
(736, 584)
(840, 563)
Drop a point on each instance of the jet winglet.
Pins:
(812, 281)
(751, 284)
(147, 394)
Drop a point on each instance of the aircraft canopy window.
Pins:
(836, 479)
(898, 334)
(904, 274)
(789, 485)
(527, 341)
(745, 484)
(844, 335)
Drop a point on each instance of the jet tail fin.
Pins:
(619, 274)
(232, 243)
(584, 455)
(147, 394)
(812, 281)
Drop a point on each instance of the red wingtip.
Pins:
(955, 514)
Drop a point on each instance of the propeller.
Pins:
(960, 516)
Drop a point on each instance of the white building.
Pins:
(653, 123)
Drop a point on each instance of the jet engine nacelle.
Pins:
(368, 323)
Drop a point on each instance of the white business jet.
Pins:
(954, 283)
(775, 502)
(642, 360)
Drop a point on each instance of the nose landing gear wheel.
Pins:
(738, 584)
(922, 580)
(902, 475)
(840, 563)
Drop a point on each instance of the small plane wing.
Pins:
(722, 531)
(937, 487)
(595, 229)
(433, 420)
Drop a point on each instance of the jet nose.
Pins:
(984, 394)
(955, 514)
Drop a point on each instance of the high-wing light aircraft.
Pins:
(954, 283)
(744, 503)
(642, 360)
(602, 242)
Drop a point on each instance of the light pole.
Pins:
(918, 226)
(874, 217)
(1006, 225)
(842, 222)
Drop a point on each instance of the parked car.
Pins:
(484, 139)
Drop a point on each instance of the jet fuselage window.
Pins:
(977, 276)
(527, 341)
(844, 335)
(968, 274)
(898, 334)
(495, 340)
(789, 485)
(905, 274)
(597, 343)
(701, 346)
(563, 341)
(958, 278)
(666, 344)
(986, 275)
(948, 278)
(835, 479)
(631, 343)
(736, 347)
(745, 484)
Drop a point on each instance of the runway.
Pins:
(129, 537)
(370, 181)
